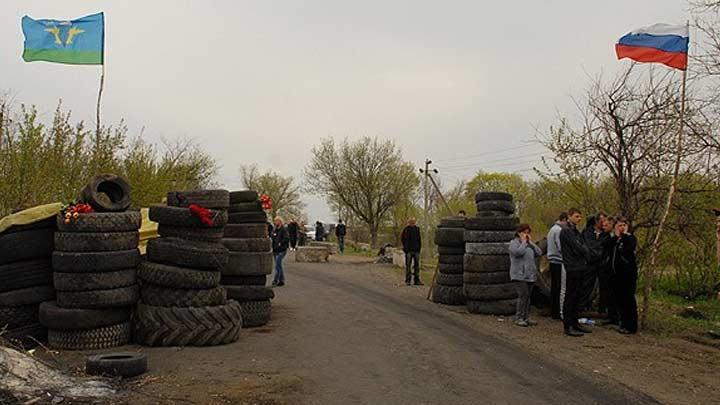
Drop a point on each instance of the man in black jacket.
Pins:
(280, 243)
(624, 264)
(574, 256)
(411, 246)
(319, 231)
(595, 239)
(292, 229)
(340, 234)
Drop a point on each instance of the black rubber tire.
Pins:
(42, 224)
(488, 248)
(27, 337)
(183, 217)
(451, 250)
(246, 231)
(493, 277)
(247, 218)
(248, 264)
(244, 280)
(26, 245)
(90, 339)
(491, 213)
(116, 297)
(94, 281)
(107, 193)
(489, 236)
(490, 292)
(449, 236)
(96, 241)
(255, 313)
(54, 317)
(448, 295)
(14, 276)
(199, 326)
(450, 268)
(243, 196)
(248, 244)
(27, 296)
(451, 259)
(500, 307)
(249, 293)
(93, 262)
(490, 195)
(172, 297)
(452, 222)
(253, 206)
(119, 364)
(212, 199)
(496, 205)
(211, 235)
(177, 277)
(184, 253)
(486, 264)
(19, 316)
(492, 223)
(450, 280)
(101, 222)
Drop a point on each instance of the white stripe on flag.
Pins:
(663, 29)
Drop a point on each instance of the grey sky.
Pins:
(263, 81)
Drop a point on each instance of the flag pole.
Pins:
(97, 129)
(650, 276)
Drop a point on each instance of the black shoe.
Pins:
(280, 284)
(407, 282)
(571, 331)
(418, 282)
(625, 331)
(611, 322)
(274, 283)
(582, 329)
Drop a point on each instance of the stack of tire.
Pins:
(250, 258)
(182, 302)
(451, 250)
(486, 277)
(94, 264)
(25, 281)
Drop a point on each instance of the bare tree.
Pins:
(368, 176)
(284, 193)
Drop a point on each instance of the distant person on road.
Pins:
(554, 256)
(574, 255)
(595, 239)
(523, 271)
(302, 236)
(280, 244)
(624, 264)
(292, 229)
(411, 246)
(340, 231)
(319, 231)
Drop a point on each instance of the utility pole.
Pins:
(426, 204)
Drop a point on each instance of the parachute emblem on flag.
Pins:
(71, 34)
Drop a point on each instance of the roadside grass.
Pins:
(354, 251)
(665, 317)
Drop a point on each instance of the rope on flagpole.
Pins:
(650, 275)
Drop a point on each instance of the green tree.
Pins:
(284, 193)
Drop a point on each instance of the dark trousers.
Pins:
(411, 257)
(587, 287)
(608, 299)
(627, 304)
(341, 243)
(524, 289)
(572, 281)
(555, 280)
(293, 241)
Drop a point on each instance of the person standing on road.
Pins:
(340, 231)
(574, 255)
(319, 231)
(292, 229)
(595, 239)
(412, 244)
(280, 244)
(608, 299)
(624, 264)
(554, 256)
(523, 271)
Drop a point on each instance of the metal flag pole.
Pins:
(650, 276)
(99, 99)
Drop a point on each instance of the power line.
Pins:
(493, 152)
(493, 166)
(488, 161)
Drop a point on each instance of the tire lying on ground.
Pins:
(27, 296)
(495, 277)
(212, 235)
(93, 281)
(249, 293)
(243, 196)
(116, 297)
(486, 263)
(177, 277)
(172, 297)
(255, 313)
(189, 254)
(488, 236)
(73, 262)
(107, 193)
(248, 264)
(244, 280)
(247, 217)
(449, 236)
(54, 317)
(119, 364)
(450, 280)
(42, 224)
(101, 222)
(487, 248)
(183, 217)
(194, 326)
(448, 295)
(14, 276)
(26, 245)
(492, 223)
(213, 199)
(448, 268)
(490, 292)
(500, 307)
(246, 231)
(96, 241)
(490, 195)
(248, 244)
(90, 339)
(496, 205)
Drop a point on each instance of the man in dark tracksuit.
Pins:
(574, 255)
(595, 239)
(411, 246)
(624, 263)
(340, 231)
(292, 229)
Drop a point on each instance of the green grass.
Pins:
(353, 251)
(664, 317)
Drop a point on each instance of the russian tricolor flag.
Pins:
(662, 43)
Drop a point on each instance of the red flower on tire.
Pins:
(266, 202)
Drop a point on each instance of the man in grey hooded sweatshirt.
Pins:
(554, 255)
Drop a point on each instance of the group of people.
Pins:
(603, 253)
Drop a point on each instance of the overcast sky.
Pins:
(460, 82)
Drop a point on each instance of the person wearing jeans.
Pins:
(280, 244)
(523, 271)
(412, 243)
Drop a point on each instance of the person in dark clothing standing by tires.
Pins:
(412, 244)
(319, 231)
(624, 264)
(608, 300)
(554, 256)
(595, 239)
(280, 244)
(340, 231)
(292, 229)
(574, 255)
